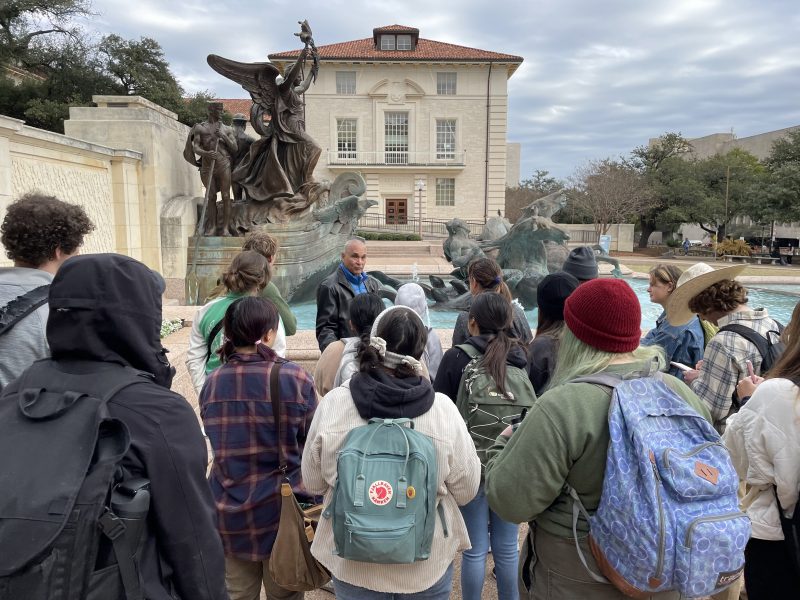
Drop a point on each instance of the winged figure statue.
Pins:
(278, 171)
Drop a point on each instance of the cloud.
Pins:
(599, 78)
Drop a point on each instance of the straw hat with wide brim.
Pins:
(693, 281)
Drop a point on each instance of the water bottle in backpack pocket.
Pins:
(669, 516)
(384, 508)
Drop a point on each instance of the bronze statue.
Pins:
(278, 170)
(243, 143)
(215, 143)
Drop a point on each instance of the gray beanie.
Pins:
(581, 264)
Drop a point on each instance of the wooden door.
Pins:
(397, 212)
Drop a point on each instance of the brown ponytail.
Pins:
(493, 315)
(489, 276)
(248, 272)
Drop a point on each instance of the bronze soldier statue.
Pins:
(215, 143)
(243, 142)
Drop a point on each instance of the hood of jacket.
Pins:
(516, 358)
(379, 395)
(107, 307)
(413, 296)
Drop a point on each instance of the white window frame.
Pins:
(404, 42)
(446, 83)
(446, 139)
(395, 128)
(346, 83)
(346, 138)
(388, 41)
(445, 191)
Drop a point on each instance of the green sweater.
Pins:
(564, 438)
(287, 316)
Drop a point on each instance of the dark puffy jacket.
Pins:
(107, 308)
(333, 307)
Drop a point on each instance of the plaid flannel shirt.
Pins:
(725, 362)
(236, 409)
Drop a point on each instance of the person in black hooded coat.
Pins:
(106, 308)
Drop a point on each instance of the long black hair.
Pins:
(245, 323)
(493, 315)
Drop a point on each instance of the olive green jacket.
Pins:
(563, 439)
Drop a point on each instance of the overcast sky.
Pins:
(600, 77)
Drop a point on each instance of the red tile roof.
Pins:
(237, 105)
(395, 29)
(425, 50)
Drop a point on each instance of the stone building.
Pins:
(423, 121)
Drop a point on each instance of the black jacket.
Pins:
(542, 353)
(455, 360)
(333, 307)
(107, 308)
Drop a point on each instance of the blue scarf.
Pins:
(357, 282)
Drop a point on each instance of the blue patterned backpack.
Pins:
(669, 515)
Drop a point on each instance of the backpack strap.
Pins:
(470, 350)
(275, 397)
(751, 335)
(212, 336)
(579, 509)
(21, 306)
(604, 379)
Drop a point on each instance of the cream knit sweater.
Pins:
(459, 473)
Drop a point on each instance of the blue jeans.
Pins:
(438, 591)
(485, 527)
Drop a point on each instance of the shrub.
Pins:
(389, 237)
(673, 243)
(733, 247)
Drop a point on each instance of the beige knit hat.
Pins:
(693, 281)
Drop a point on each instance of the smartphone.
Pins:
(750, 371)
(680, 366)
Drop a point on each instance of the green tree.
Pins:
(140, 69)
(658, 163)
(727, 181)
(25, 23)
(194, 109)
(777, 198)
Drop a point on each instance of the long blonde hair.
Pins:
(576, 358)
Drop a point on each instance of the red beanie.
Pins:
(605, 314)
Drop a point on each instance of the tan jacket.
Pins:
(459, 474)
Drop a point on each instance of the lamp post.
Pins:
(420, 188)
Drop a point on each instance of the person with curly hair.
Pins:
(715, 296)
(38, 233)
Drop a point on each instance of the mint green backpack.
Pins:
(486, 411)
(384, 503)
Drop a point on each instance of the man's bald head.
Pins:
(354, 256)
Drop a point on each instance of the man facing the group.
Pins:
(338, 289)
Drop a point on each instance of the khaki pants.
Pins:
(244, 579)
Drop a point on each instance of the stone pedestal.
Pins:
(307, 253)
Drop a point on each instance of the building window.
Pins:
(346, 83)
(445, 139)
(346, 138)
(387, 42)
(446, 84)
(395, 133)
(445, 191)
(404, 42)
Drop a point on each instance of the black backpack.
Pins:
(70, 521)
(770, 347)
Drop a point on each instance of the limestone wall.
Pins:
(104, 181)
(123, 162)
